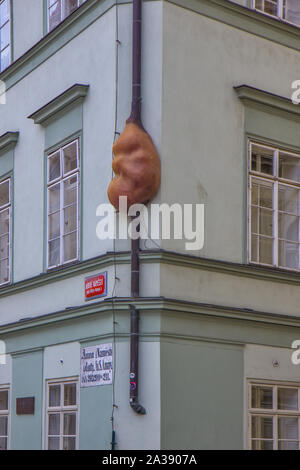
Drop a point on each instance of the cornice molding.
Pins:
(72, 96)
(159, 257)
(254, 96)
(160, 305)
(8, 141)
(234, 269)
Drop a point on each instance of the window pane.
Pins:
(4, 12)
(4, 193)
(266, 222)
(70, 219)
(254, 220)
(54, 198)
(54, 395)
(69, 443)
(54, 425)
(55, 15)
(288, 227)
(262, 194)
(288, 255)
(70, 6)
(54, 167)
(262, 445)
(3, 443)
(266, 250)
(53, 443)
(69, 394)
(5, 58)
(4, 222)
(262, 427)
(3, 400)
(4, 36)
(4, 271)
(54, 225)
(262, 397)
(292, 11)
(4, 247)
(289, 167)
(70, 191)
(70, 247)
(3, 426)
(70, 158)
(69, 424)
(288, 398)
(288, 428)
(288, 445)
(288, 199)
(254, 248)
(262, 159)
(54, 253)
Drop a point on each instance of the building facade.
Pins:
(217, 324)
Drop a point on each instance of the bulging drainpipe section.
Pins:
(137, 170)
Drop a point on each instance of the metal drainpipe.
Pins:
(135, 117)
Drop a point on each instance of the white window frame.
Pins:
(275, 413)
(276, 181)
(4, 24)
(6, 388)
(3, 208)
(62, 17)
(62, 409)
(64, 177)
(279, 14)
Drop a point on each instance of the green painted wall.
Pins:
(202, 396)
(27, 381)
(95, 413)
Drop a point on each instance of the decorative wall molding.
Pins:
(250, 95)
(8, 141)
(71, 97)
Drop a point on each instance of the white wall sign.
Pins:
(96, 365)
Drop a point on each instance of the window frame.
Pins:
(62, 18)
(276, 181)
(3, 208)
(279, 14)
(9, 46)
(62, 409)
(274, 413)
(60, 181)
(7, 413)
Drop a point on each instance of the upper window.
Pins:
(5, 229)
(4, 415)
(288, 10)
(58, 10)
(274, 416)
(63, 213)
(4, 34)
(274, 207)
(62, 415)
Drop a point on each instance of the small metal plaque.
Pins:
(25, 406)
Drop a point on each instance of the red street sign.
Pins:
(96, 286)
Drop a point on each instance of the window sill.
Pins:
(63, 266)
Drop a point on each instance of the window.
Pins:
(4, 418)
(63, 214)
(288, 10)
(274, 416)
(274, 207)
(58, 10)
(62, 415)
(5, 215)
(4, 34)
